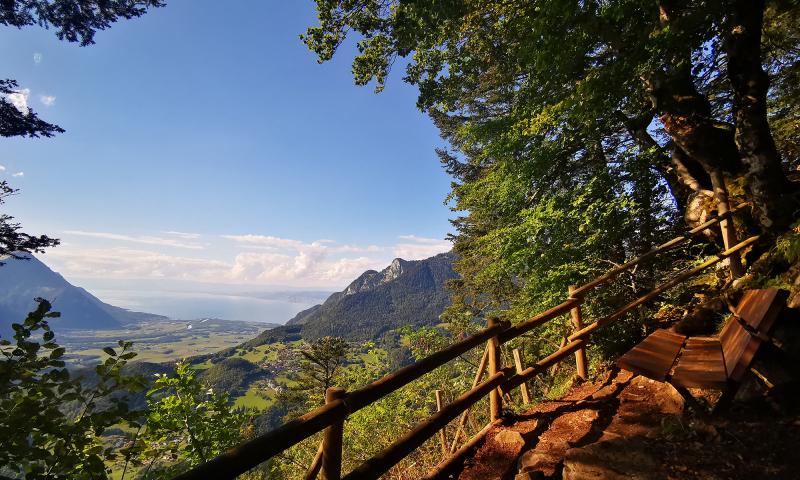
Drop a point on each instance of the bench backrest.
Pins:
(758, 309)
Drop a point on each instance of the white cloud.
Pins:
(310, 268)
(47, 100)
(249, 259)
(19, 98)
(18, 174)
(289, 261)
(37, 58)
(417, 248)
(187, 236)
(125, 263)
(2, 168)
(145, 239)
(266, 241)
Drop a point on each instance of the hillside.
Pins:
(404, 293)
(21, 281)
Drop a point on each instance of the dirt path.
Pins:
(628, 427)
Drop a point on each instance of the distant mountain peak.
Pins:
(394, 270)
(406, 292)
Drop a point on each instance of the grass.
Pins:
(251, 399)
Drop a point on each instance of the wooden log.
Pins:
(725, 225)
(495, 364)
(390, 456)
(332, 440)
(526, 399)
(577, 322)
(611, 274)
(448, 463)
(584, 332)
(358, 399)
(243, 457)
(442, 433)
(463, 421)
(316, 464)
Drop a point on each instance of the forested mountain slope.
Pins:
(404, 293)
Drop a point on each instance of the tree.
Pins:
(187, 423)
(518, 73)
(14, 243)
(39, 436)
(581, 134)
(323, 361)
(74, 21)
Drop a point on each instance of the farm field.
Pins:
(163, 341)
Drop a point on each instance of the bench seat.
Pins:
(653, 358)
(706, 362)
(701, 365)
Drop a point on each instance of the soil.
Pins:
(632, 427)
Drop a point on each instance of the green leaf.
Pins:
(110, 351)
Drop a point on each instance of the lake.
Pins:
(192, 305)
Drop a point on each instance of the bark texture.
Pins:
(766, 182)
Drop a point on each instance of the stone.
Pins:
(510, 438)
(616, 459)
(530, 476)
(544, 458)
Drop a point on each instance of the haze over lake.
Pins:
(278, 307)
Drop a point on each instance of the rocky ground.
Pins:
(635, 428)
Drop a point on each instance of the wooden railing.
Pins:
(340, 404)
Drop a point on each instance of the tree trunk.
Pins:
(686, 116)
(677, 179)
(767, 184)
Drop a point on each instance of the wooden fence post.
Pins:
(526, 398)
(495, 365)
(332, 441)
(475, 381)
(726, 226)
(442, 433)
(577, 322)
(316, 464)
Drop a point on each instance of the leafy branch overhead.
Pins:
(584, 133)
(73, 21)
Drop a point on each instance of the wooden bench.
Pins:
(708, 362)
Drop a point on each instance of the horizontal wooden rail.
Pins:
(584, 332)
(358, 399)
(390, 456)
(611, 274)
(249, 454)
(451, 460)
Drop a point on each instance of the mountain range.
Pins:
(404, 293)
(22, 281)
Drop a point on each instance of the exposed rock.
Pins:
(620, 458)
(510, 438)
(543, 459)
(530, 476)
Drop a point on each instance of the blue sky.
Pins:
(205, 143)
